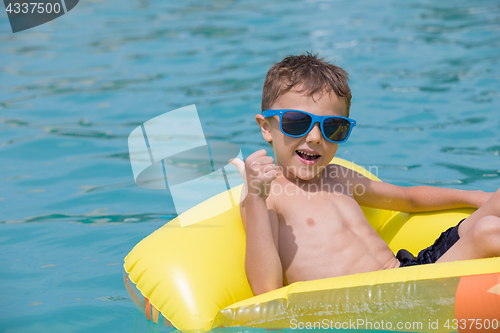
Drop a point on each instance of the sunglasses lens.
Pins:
(295, 123)
(336, 129)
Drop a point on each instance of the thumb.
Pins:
(240, 165)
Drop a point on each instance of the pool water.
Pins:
(426, 97)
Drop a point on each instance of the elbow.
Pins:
(261, 283)
(411, 206)
(257, 290)
(262, 288)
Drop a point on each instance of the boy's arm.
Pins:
(414, 199)
(262, 262)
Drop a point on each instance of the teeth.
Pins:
(306, 153)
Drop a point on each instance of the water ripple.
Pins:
(493, 150)
(94, 218)
(472, 175)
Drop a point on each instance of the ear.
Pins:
(265, 127)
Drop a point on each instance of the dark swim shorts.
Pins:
(432, 253)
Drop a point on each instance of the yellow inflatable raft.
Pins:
(193, 278)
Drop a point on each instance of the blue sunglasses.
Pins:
(297, 123)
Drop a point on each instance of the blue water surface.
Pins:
(426, 95)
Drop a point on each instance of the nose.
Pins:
(314, 135)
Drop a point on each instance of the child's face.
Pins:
(289, 150)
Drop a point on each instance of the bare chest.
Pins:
(317, 229)
(318, 211)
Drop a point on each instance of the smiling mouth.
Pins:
(307, 156)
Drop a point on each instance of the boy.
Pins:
(302, 216)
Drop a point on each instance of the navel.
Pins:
(310, 222)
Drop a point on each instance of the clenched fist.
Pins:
(258, 172)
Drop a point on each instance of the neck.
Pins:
(293, 178)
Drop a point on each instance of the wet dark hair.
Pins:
(312, 74)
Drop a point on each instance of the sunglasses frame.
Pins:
(314, 119)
